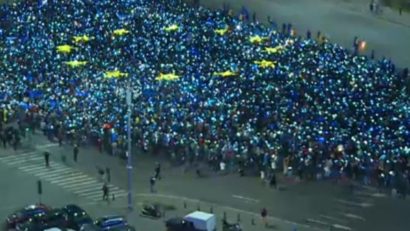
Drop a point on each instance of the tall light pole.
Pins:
(129, 155)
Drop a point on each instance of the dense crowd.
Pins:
(239, 89)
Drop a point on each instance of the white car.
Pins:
(58, 229)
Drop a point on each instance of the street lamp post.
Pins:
(129, 162)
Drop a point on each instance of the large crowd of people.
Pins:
(205, 85)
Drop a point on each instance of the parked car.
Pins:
(53, 218)
(106, 223)
(92, 227)
(76, 216)
(25, 214)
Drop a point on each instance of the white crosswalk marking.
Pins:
(52, 172)
(82, 185)
(21, 156)
(68, 178)
(33, 168)
(58, 175)
(18, 161)
(89, 188)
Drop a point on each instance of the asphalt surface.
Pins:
(305, 205)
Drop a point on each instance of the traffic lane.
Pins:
(252, 196)
(390, 214)
(297, 203)
(224, 188)
(19, 189)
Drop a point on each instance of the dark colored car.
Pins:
(54, 218)
(92, 227)
(106, 223)
(25, 214)
(76, 216)
(179, 224)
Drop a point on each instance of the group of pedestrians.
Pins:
(63, 157)
(207, 86)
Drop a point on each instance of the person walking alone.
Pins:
(158, 171)
(47, 159)
(264, 214)
(272, 181)
(75, 153)
(105, 190)
(108, 174)
(152, 184)
(3, 139)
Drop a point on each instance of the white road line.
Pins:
(86, 187)
(245, 198)
(88, 194)
(20, 161)
(57, 175)
(369, 194)
(117, 191)
(113, 187)
(96, 197)
(8, 157)
(86, 190)
(315, 221)
(334, 219)
(66, 180)
(32, 168)
(379, 195)
(82, 185)
(54, 172)
(341, 227)
(16, 156)
(353, 216)
(360, 204)
(43, 146)
(121, 194)
(60, 166)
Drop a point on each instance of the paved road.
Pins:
(388, 33)
(18, 188)
(69, 182)
(61, 175)
(309, 206)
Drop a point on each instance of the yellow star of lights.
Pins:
(76, 63)
(225, 74)
(65, 49)
(257, 39)
(115, 74)
(81, 38)
(172, 27)
(221, 32)
(167, 77)
(265, 64)
(121, 32)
